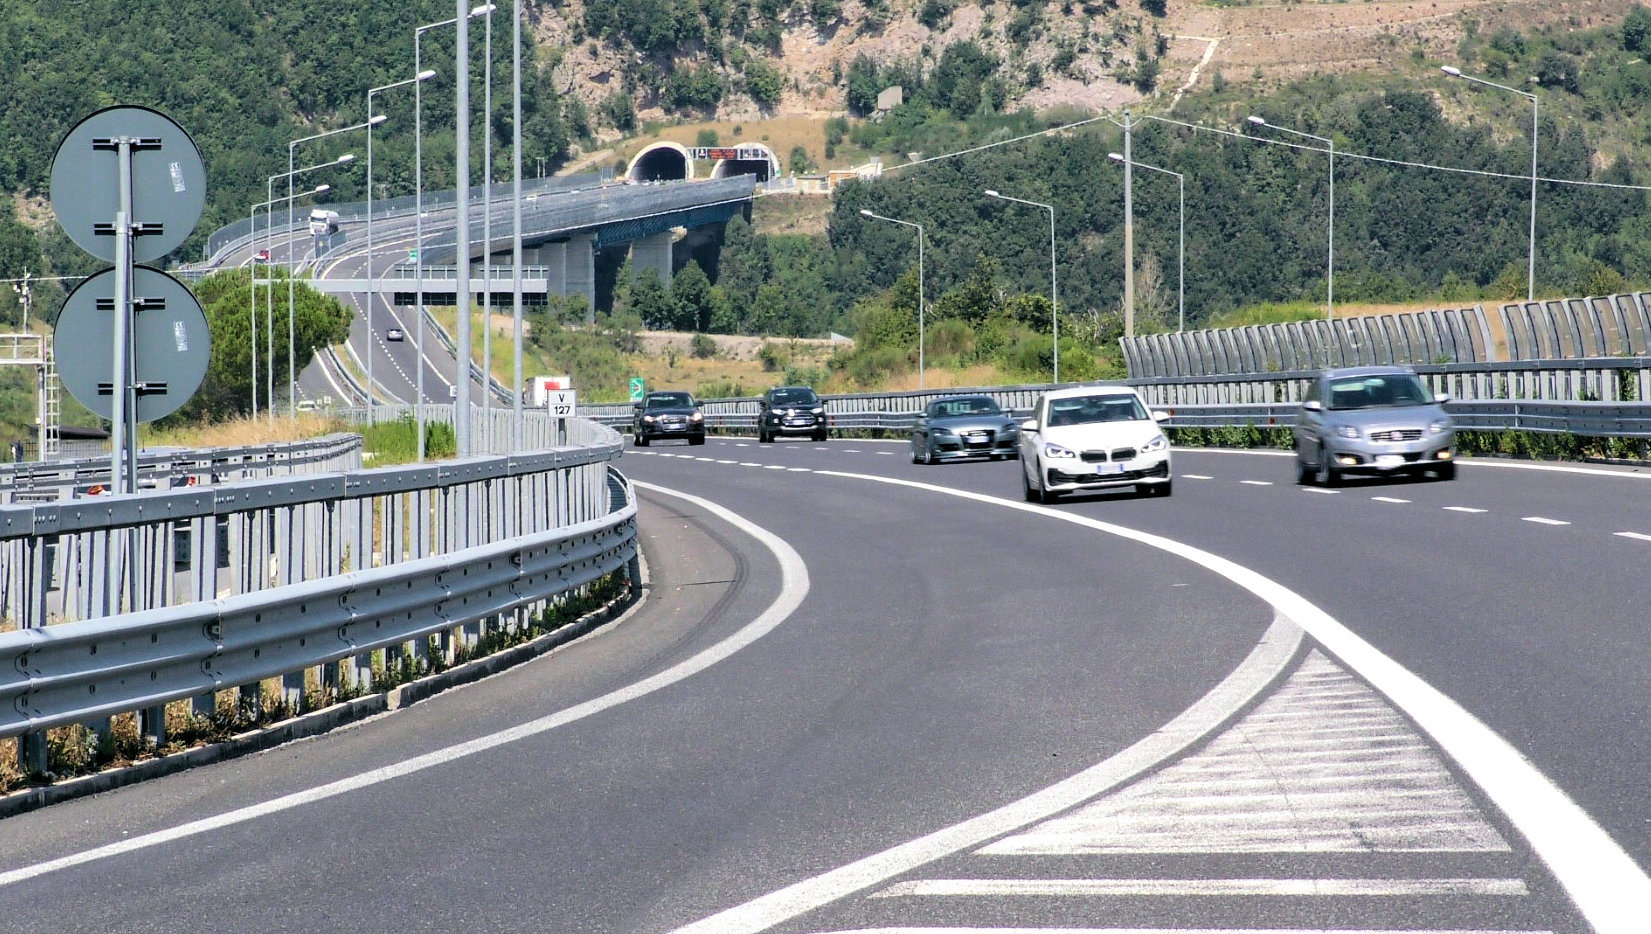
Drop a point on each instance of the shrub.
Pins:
(702, 347)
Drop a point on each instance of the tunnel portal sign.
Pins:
(740, 153)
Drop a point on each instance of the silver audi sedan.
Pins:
(1374, 420)
(960, 427)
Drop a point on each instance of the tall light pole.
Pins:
(920, 360)
(1181, 240)
(487, 227)
(269, 242)
(1330, 264)
(418, 222)
(269, 284)
(1530, 262)
(1054, 306)
(372, 278)
(292, 293)
(516, 214)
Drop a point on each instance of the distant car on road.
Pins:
(1377, 420)
(790, 410)
(663, 415)
(394, 334)
(262, 256)
(1093, 438)
(961, 427)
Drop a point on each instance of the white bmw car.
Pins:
(1093, 438)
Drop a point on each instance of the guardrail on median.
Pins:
(1597, 396)
(247, 581)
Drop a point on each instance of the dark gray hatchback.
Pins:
(1374, 420)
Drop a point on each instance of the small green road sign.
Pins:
(636, 389)
(412, 253)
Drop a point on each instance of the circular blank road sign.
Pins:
(168, 182)
(173, 343)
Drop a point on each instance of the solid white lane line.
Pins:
(1605, 884)
(987, 888)
(1275, 650)
(1256, 482)
(793, 588)
(1539, 520)
(1389, 499)
(954, 930)
(1464, 509)
(1636, 535)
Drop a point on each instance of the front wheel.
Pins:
(640, 441)
(1304, 473)
(1026, 488)
(1046, 496)
(1324, 474)
(763, 437)
(1445, 471)
(696, 439)
(820, 435)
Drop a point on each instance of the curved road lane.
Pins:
(942, 664)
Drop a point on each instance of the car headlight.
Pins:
(817, 410)
(1347, 431)
(944, 433)
(696, 417)
(1158, 443)
(1055, 450)
(648, 419)
(1439, 426)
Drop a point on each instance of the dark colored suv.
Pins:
(791, 410)
(667, 415)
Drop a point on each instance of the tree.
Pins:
(650, 301)
(691, 295)
(320, 321)
(763, 82)
(1636, 29)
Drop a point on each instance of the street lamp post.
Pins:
(418, 212)
(372, 278)
(1054, 306)
(1530, 261)
(920, 360)
(269, 243)
(1330, 264)
(516, 216)
(1181, 240)
(269, 284)
(292, 293)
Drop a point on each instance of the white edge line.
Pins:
(1265, 662)
(1287, 887)
(794, 587)
(953, 930)
(1608, 888)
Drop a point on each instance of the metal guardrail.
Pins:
(163, 468)
(129, 602)
(1593, 397)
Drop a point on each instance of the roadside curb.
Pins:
(320, 721)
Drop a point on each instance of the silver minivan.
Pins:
(1373, 420)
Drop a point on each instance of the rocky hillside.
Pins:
(1093, 55)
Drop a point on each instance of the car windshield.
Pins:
(793, 397)
(1085, 410)
(951, 408)
(1370, 392)
(662, 399)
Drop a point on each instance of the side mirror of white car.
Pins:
(1441, 397)
(1312, 405)
(1160, 416)
(1030, 424)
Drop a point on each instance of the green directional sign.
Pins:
(412, 253)
(636, 389)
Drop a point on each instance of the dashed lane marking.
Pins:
(1634, 535)
(1195, 476)
(1539, 520)
(1389, 499)
(1256, 482)
(1320, 490)
(798, 470)
(1469, 509)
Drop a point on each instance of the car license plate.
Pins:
(1109, 468)
(1389, 461)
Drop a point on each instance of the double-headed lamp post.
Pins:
(920, 360)
(1530, 262)
(1054, 305)
(292, 291)
(269, 284)
(1330, 264)
(269, 243)
(372, 278)
(1180, 241)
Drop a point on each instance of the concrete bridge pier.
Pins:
(654, 252)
